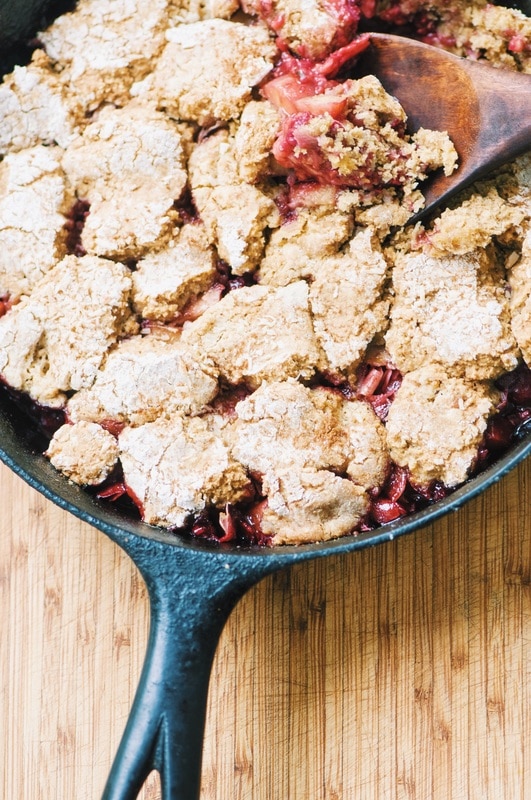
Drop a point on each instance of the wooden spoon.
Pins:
(486, 111)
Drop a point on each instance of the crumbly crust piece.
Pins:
(286, 427)
(206, 90)
(33, 201)
(311, 507)
(84, 452)
(34, 107)
(143, 378)
(435, 425)
(236, 214)
(310, 28)
(129, 165)
(369, 150)
(520, 281)
(166, 280)
(103, 47)
(348, 302)
(257, 333)
(451, 311)
(179, 466)
(254, 138)
(301, 245)
(474, 223)
(297, 439)
(54, 340)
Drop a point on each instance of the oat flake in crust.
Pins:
(103, 47)
(520, 281)
(452, 311)
(164, 281)
(34, 107)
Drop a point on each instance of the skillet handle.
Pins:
(192, 594)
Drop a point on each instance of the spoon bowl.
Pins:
(486, 111)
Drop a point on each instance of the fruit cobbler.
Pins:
(211, 298)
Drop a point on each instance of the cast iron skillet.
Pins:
(193, 585)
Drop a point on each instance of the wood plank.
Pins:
(399, 673)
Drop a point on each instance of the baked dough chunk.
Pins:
(103, 47)
(33, 200)
(177, 467)
(435, 425)
(310, 28)
(500, 35)
(55, 339)
(520, 281)
(284, 425)
(34, 107)
(143, 378)
(347, 302)
(235, 214)
(313, 507)
(84, 452)
(257, 333)
(166, 280)
(297, 439)
(474, 223)
(452, 311)
(299, 247)
(254, 139)
(205, 90)
(129, 165)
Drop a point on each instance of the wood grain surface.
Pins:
(399, 672)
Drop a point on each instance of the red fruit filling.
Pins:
(75, 222)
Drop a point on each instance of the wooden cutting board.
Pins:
(400, 672)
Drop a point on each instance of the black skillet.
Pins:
(193, 585)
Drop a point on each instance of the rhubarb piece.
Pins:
(452, 311)
(143, 378)
(206, 90)
(436, 423)
(352, 134)
(129, 165)
(33, 201)
(177, 467)
(55, 340)
(84, 452)
(257, 333)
